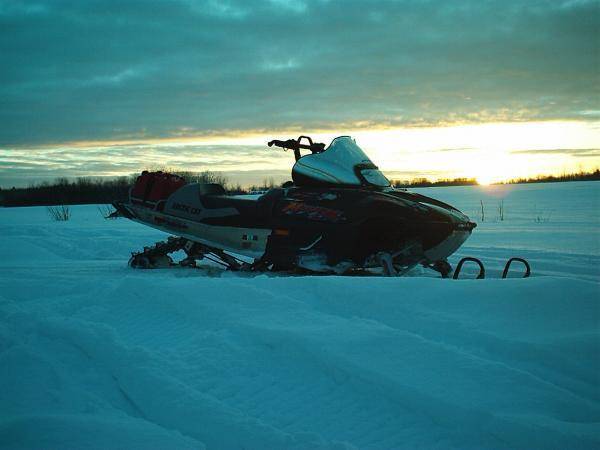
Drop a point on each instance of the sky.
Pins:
(486, 89)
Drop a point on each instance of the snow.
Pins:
(96, 355)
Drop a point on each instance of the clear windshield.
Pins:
(343, 162)
(375, 177)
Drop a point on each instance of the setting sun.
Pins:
(484, 180)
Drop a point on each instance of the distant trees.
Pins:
(107, 190)
(65, 192)
(265, 186)
(206, 177)
(577, 176)
(424, 182)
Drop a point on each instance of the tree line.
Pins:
(63, 191)
(424, 182)
(107, 190)
(577, 176)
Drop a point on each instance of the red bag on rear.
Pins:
(155, 186)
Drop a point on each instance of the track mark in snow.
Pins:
(178, 359)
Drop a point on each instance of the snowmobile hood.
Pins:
(342, 163)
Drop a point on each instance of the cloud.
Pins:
(101, 70)
(452, 149)
(575, 152)
(403, 175)
(245, 164)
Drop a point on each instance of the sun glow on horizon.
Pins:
(484, 180)
(489, 153)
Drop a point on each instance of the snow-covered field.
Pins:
(96, 355)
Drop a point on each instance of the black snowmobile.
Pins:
(338, 215)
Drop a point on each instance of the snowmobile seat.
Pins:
(260, 208)
(211, 189)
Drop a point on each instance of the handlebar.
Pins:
(292, 144)
(296, 145)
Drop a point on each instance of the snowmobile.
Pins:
(339, 214)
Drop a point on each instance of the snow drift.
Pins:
(96, 355)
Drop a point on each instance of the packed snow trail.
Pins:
(97, 355)
(264, 361)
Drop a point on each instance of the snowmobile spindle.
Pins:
(521, 260)
(481, 274)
